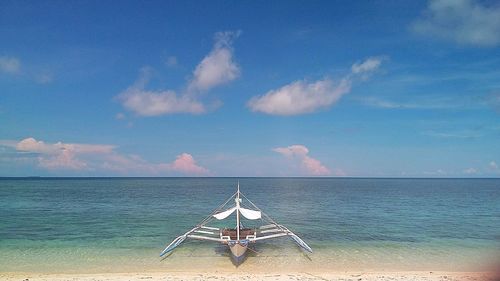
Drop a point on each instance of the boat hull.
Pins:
(238, 251)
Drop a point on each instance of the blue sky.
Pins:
(250, 88)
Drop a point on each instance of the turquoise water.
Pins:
(122, 224)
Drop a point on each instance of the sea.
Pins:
(87, 225)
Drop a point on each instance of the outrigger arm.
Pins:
(277, 230)
(193, 234)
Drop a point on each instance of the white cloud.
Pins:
(154, 103)
(61, 155)
(493, 165)
(91, 157)
(470, 171)
(464, 134)
(299, 153)
(301, 97)
(218, 67)
(421, 102)
(185, 163)
(314, 167)
(293, 150)
(466, 22)
(438, 172)
(381, 103)
(63, 160)
(10, 65)
(32, 145)
(369, 65)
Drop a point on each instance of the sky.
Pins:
(250, 88)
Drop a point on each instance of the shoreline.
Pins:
(244, 275)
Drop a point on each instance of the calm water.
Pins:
(116, 224)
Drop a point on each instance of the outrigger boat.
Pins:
(239, 237)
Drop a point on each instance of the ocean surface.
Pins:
(122, 224)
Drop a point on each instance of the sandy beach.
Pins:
(344, 276)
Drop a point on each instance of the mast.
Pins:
(238, 212)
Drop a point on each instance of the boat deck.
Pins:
(231, 232)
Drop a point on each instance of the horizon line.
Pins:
(241, 177)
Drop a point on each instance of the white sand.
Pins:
(219, 276)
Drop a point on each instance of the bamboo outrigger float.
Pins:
(239, 237)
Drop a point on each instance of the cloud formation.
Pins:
(470, 171)
(463, 134)
(10, 65)
(368, 65)
(493, 165)
(185, 163)
(91, 157)
(61, 155)
(32, 145)
(465, 22)
(154, 103)
(299, 153)
(302, 97)
(217, 68)
(425, 102)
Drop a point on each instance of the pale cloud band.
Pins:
(493, 165)
(10, 65)
(465, 22)
(90, 157)
(490, 169)
(302, 97)
(298, 154)
(368, 65)
(217, 68)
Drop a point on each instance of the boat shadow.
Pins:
(253, 251)
(223, 250)
(166, 256)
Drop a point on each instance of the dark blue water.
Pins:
(46, 223)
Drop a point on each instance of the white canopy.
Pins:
(250, 214)
(247, 213)
(225, 214)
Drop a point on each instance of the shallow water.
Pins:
(122, 224)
